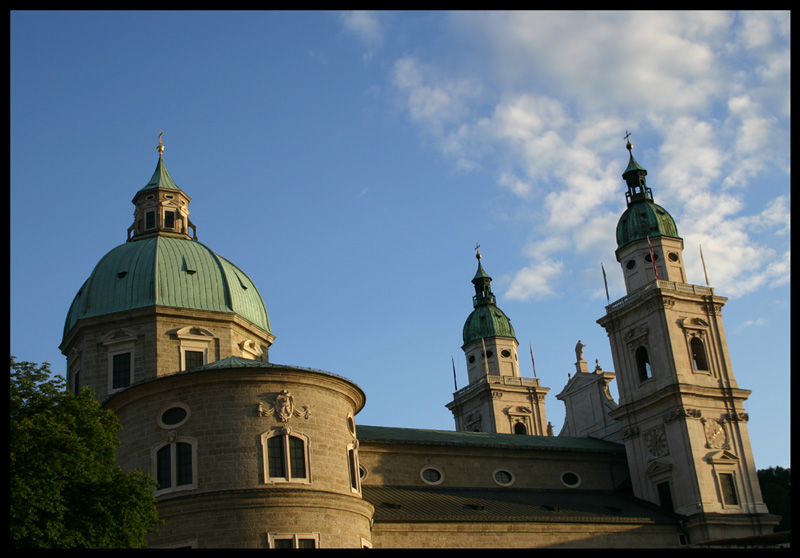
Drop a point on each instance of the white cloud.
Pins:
(553, 93)
(366, 26)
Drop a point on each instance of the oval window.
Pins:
(506, 353)
(173, 415)
(431, 475)
(631, 264)
(673, 256)
(503, 477)
(570, 479)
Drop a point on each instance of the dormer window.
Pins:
(169, 219)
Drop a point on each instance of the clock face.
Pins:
(656, 442)
(715, 434)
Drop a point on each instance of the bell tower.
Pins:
(681, 412)
(498, 399)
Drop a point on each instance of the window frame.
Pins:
(293, 537)
(172, 442)
(119, 343)
(286, 457)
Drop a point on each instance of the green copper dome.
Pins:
(643, 218)
(164, 271)
(486, 320)
(161, 265)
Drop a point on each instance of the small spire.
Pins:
(160, 145)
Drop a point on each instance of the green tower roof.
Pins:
(643, 218)
(486, 320)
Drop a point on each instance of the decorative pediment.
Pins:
(722, 457)
(658, 468)
(118, 336)
(636, 334)
(191, 332)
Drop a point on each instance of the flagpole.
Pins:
(652, 257)
(455, 384)
(605, 281)
(532, 361)
(704, 265)
(485, 357)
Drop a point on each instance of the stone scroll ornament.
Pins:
(284, 408)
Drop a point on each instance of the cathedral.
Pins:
(247, 453)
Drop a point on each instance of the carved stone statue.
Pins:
(579, 351)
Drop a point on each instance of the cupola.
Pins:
(161, 207)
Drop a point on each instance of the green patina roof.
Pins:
(486, 320)
(161, 178)
(392, 435)
(166, 271)
(437, 503)
(643, 218)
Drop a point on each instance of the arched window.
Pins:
(519, 428)
(285, 457)
(174, 464)
(643, 364)
(699, 360)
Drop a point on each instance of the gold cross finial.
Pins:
(629, 145)
(477, 253)
(160, 145)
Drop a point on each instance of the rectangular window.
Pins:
(275, 457)
(306, 540)
(297, 458)
(192, 359)
(351, 462)
(728, 489)
(164, 467)
(665, 495)
(286, 458)
(183, 463)
(121, 371)
(169, 219)
(149, 220)
(174, 465)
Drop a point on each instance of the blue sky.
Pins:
(350, 162)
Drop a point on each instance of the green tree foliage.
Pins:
(776, 489)
(66, 489)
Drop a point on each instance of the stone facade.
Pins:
(250, 454)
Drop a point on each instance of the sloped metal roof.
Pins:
(394, 435)
(165, 271)
(434, 503)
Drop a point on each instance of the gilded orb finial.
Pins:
(629, 145)
(160, 145)
(477, 253)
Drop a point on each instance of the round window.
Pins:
(503, 477)
(506, 353)
(431, 475)
(173, 415)
(471, 359)
(570, 479)
(631, 264)
(351, 425)
(648, 259)
(673, 256)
